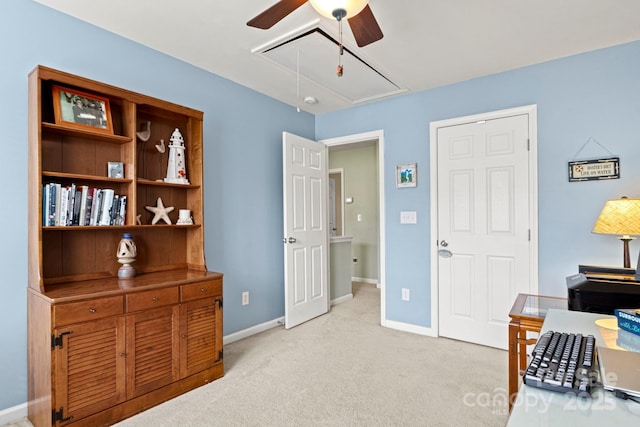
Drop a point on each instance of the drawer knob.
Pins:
(203, 290)
(184, 336)
(92, 310)
(156, 299)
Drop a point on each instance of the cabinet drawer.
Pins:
(201, 290)
(151, 299)
(74, 312)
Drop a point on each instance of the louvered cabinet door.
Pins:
(200, 335)
(89, 373)
(152, 349)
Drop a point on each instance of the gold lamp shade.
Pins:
(620, 217)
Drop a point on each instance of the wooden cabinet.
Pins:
(103, 348)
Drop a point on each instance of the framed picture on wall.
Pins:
(406, 175)
(80, 110)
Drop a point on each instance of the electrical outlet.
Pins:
(406, 294)
(245, 298)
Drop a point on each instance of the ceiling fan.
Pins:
(363, 24)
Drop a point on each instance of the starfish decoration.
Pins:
(159, 212)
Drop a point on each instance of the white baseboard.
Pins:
(341, 299)
(406, 327)
(13, 414)
(245, 333)
(365, 280)
(237, 336)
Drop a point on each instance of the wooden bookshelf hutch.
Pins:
(100, 348)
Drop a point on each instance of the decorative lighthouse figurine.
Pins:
(176, 169)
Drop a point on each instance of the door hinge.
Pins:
(57, 416)
(220, 355)
(219, 303)
(57, 341)
(528, 144)
(529, 234)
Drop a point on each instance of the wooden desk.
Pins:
(527, 315)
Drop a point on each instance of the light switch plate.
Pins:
(408, 217)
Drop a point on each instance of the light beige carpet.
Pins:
(343, 369)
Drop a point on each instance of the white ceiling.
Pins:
(426, 44)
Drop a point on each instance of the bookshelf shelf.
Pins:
(141, 181)
(125, 227)
(64, 130)
(80, 312)
(81, 177)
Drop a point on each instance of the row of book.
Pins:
(68, 205)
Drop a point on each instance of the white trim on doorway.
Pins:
(377, 135)
(532, 112)
(340, 171)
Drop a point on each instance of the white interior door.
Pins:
(483, 226)
(305, 175)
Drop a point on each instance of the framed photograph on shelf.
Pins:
(115, 170)
(406, 175)
(81, 110)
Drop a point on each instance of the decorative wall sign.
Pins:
(591, 170)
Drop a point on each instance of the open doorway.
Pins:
(362, 207)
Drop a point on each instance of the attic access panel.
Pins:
(316, 54)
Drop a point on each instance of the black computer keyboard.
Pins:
(563, 362)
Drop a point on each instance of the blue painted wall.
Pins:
(590, 95)
(596, 94)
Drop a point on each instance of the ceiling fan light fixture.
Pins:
(327, 7)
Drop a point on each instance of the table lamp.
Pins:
(620, 217)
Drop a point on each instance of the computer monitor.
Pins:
(601, 290)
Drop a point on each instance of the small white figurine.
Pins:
(184, 217)
(160, 147)
(144, 135)
(176, 169)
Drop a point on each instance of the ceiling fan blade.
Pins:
(365, 28)
(275, 13)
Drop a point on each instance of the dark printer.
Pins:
(603, 289)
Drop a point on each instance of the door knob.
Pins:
(292, 240)
(444, 243)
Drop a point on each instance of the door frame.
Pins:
(339, 171)
(376, 135)
(532, 112)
